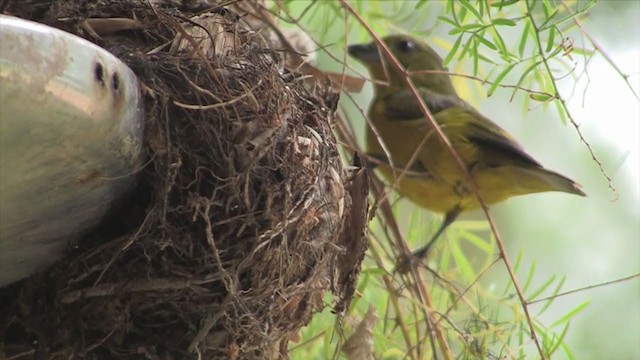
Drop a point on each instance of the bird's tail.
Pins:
(555, 181)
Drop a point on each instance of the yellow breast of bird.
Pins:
(434, 180)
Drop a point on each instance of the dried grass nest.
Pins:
(243, 218)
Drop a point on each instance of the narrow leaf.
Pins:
(449, 21)
(542, 287)
(524, 38)
(503, 21)
(543, 26)
(504, 3)
(554, 293)
(524, 76)
(486, 42)
(560, 340)
(462, 14)
(532, 271)
(540, 97)
(571, 314)
(465, 4)
(499, 42)
(475, 56)
(498, 80)
(561, 112)
(453, 50)
(548, 8)
(466, 48)
(550, 39)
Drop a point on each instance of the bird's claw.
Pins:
(407, 262)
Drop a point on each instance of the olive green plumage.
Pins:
(500, 167)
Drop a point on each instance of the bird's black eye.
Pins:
(406, 46)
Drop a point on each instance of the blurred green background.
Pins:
(587, 240)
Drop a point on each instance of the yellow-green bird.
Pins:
(498, 164)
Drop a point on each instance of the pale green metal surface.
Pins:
(70, 141)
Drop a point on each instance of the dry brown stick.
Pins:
(350, 143)
(385, 207)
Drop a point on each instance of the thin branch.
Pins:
(563, 102)
(485, 81)
(630, 277)
(393, 297)
(600, 49)
(376, 186)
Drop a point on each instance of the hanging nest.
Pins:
(243, 218)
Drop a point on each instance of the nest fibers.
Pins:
(243, 218)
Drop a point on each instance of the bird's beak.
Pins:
(365, 53)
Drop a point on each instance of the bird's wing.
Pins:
(461, 122)
(494, 146)
(415, 171)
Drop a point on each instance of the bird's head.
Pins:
(414, 55)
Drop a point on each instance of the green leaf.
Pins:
(466, 48)
(477, 241)
(453, 12)
(561, 111)
(472, 26)
(486, 59)
(499, 43)
(521, 343)
(466, 28)
(475, 56)
(462, 14)
(532, 271)
(548, 8)
(524, 38)
(543, 26)
(375, 271)
(524, 76)
(568, 352)
(498, 80)
(449, 21)
(540, 97)
(462, 261)
(516, 266)
(453, 50)
(559, 341)
(503, 21)
(449, 7)
(504, 3)
(486, 42)
(550, 39)
(542, 287)
(420, 4)
(571, 314)
(465, 4)
(482, 5)
(582, 51)
(554, 293)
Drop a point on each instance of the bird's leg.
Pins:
(405, 264)
(449, 218)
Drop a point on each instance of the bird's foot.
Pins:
(407, 262)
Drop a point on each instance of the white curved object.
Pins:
(71, 126)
